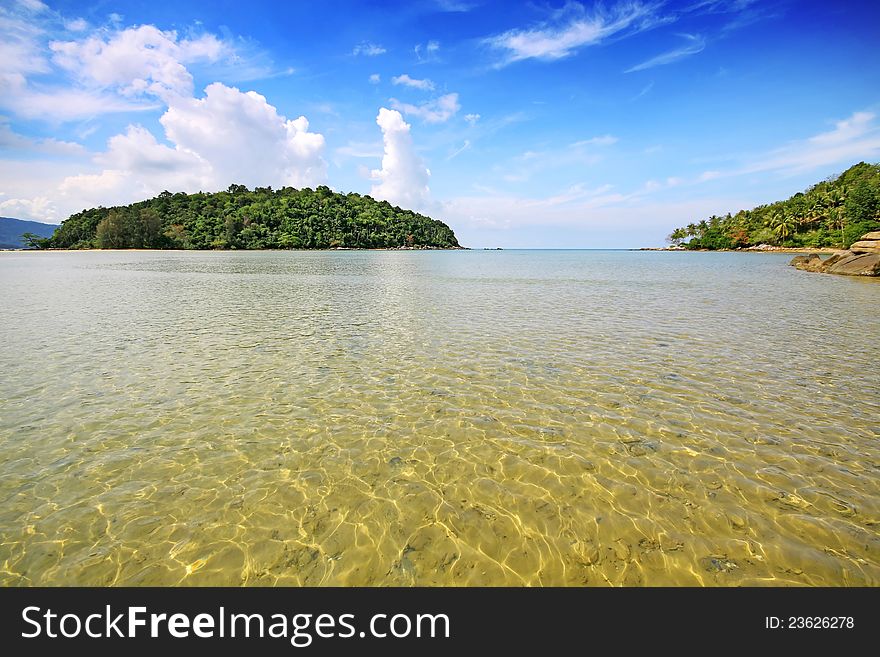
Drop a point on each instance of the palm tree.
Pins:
(835, 201)
(782, 223)
(818, 211)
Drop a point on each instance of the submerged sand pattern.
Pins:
(443, 418)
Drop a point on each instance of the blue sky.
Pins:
(534, 124)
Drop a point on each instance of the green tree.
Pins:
(112, 232)
(835, 201)
(782, 223)
(34, 241)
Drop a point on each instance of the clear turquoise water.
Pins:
(436, 418)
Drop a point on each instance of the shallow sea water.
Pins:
(436, 418)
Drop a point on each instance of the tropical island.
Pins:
(834, 213)
(240, 218)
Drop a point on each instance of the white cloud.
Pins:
(429, 49)
(245, 140)
(10, 140)
(61, 103)
(403, 178)
(33, 5)
(76, 25)
(368, 49)
(587, 218)
(109, 70)
(138, 152)
(584, 153)
(852, 139)
(406, 80)
(138, 60)
(437, 110)
(20, 48)
(604, 140)
(360, 149)
(695, 44)
(226, 137)
(645, 91)
(572, 29)
(38, 208)
(137, 166)
(459, 151)
(375, 78)
(472, 118)
(454, 5)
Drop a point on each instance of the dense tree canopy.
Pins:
(264, 218)
(834, 212)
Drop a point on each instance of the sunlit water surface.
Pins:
(436, 418)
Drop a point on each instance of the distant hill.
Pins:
(11, 231)
(263, 218)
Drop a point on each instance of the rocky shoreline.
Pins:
(760, 248)
(862, 259)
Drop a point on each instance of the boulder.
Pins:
(834, 258)
(856, 264)
(871, 236)
(866, 246)
(845, 262)
(809, 262)
(802, 259)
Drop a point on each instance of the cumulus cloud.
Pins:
(407, 81)
(226, 137)
(375, 78)
(437, 110)
(571, 29)
(472, 118)
(39, 208)
(136, 166)
(403, 178)
(118, 70)
(138, 60)
(245, 140)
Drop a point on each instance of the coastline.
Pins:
(825, 250)
(340, 248)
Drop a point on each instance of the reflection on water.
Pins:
(437, 418)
